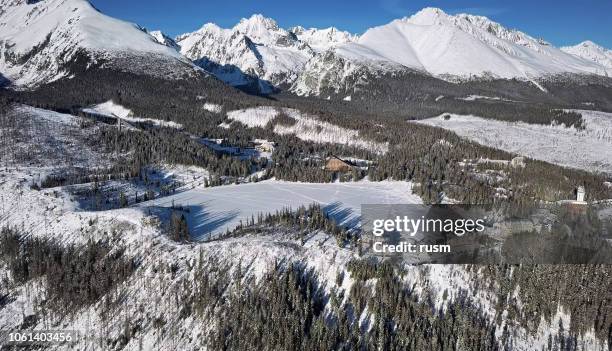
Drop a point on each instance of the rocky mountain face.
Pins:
(163, 39)
(41, 40)
(256, 48)
(323, 39)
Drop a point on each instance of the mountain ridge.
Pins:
(258, 53)
(450, 47)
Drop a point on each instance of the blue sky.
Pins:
(559, 22)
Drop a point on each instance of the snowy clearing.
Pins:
(214, 210)
(307, 127)
(589, 149)
(254, 117)
(112, 109)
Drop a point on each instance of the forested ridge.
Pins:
(290, 307)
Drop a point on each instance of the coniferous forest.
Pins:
(132, 228)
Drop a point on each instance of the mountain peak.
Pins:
(257, 22)
(164, 39)
(323, 39)
(428, 16)
(60, 30)
(588, 43)
(591, 51)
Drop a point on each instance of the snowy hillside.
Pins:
(40, 39)
(588, 50)
(177, 295)
(589, 149)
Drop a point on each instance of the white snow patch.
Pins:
(255, 116)
(112, 109)
(481, 97)
(214, 108)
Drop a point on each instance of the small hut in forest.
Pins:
(336, 164)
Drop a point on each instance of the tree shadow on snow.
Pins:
(343, 216)
(202, 223)
(4, 82)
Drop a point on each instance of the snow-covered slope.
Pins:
(590, 51)
(255, 47)
(163, 39)
(451, 47)
(39, 39)
(323, 39)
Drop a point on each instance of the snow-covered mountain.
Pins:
(255, 47)
(452, 47)
(163, 39)
(40, 39)
(323, 39)
(590, 51)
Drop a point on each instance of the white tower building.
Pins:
(580, 194)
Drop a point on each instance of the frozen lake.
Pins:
(214, 210)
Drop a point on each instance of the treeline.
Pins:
(74, 275)
(302, 221)
(411, 94)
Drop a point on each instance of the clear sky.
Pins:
(561, 22)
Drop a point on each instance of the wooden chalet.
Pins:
(336, 164)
